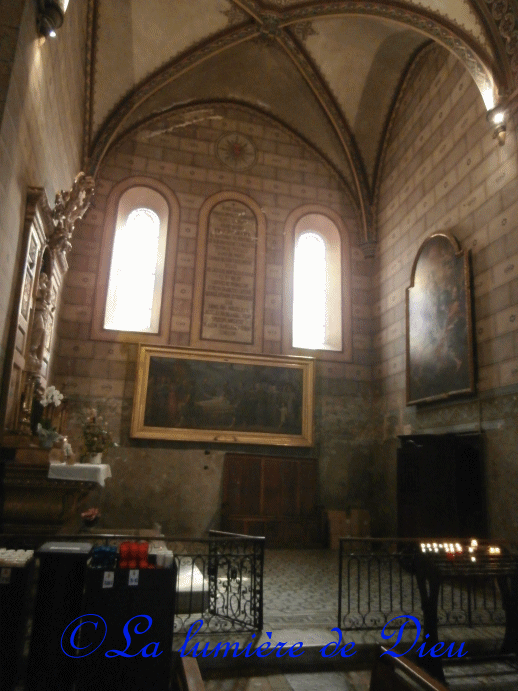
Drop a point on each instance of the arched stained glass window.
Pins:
(317, 285)
(137, 262)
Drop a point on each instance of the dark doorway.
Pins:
(441, 488)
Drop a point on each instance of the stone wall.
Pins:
(443, 171)
(41, 129)
(147, 476)
(10, 21)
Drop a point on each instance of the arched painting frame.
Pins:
(439, 336)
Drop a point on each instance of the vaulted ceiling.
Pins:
(329, 71)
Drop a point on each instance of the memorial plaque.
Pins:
(230, 268)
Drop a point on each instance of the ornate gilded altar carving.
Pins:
(45, 245)
(40, 326)
(70, 207)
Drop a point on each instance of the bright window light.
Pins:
(309, 292)
(133, 273)
(317, 284)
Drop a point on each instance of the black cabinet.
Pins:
(440, 486)
(14, 596)
(138, 611)
(58, 602)
(6, 456)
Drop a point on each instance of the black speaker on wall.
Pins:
(441, 486)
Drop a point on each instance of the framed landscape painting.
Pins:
(193, 395)
(439, 322)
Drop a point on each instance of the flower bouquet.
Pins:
(90, 517)
(96, 437)
(51, 396)
(47, 433)
(47, 436)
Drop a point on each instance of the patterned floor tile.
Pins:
(300, 604)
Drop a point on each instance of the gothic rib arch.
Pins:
(274, 25)
(179, 116)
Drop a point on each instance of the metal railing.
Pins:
(219, 578)
(377, 584)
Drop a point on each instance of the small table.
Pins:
(469, 564)
(83, 472)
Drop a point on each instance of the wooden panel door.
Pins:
(242, 485)
(272, 487)
(308, 487)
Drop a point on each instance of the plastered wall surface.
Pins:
(41, 130)
(443, 171)
(286, 175)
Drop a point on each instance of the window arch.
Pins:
(135, 289)
(136, 275)
(317, 295)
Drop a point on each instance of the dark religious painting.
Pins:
(439, 326)
(193, 395)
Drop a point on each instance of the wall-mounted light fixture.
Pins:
(50, 16)
(497, 117)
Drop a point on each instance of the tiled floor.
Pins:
(494, 676)
(300, 589)
(314, 681)
(487, 677)
(300, 604)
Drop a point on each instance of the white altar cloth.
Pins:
(82, 472)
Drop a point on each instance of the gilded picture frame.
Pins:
(183, 394)
(439, 333)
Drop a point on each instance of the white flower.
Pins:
(51, 396)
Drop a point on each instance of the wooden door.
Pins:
(273, 496)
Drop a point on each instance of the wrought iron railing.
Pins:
(237, 562)
(219, 579)
(377, 584)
